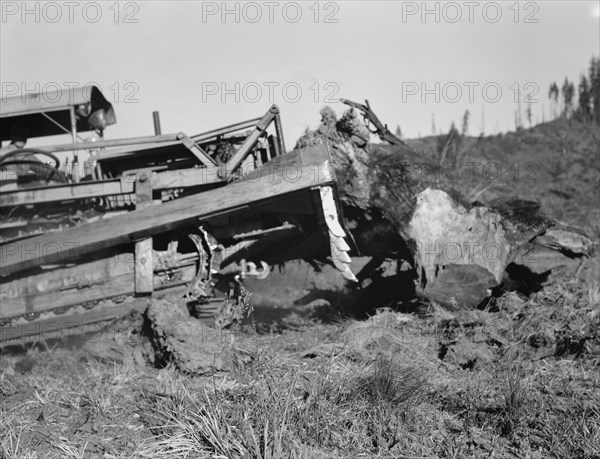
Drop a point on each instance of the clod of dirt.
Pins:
(25, 365)
(121, 341)
(466, 354)
(192, 346)
(570, 344)
(106, 350)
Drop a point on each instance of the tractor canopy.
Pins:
(63, 111)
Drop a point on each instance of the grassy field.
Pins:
(519, 377)
(556, 163)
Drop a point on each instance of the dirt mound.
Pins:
(192, 346)
(560, 322)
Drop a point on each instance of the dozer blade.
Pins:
(338, 246)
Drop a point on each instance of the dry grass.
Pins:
(375, 388)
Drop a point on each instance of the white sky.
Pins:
(173, 57)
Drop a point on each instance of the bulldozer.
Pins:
(94, 228)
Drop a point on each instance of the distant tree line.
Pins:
(562, 104)
(587, 107)
(581, 102)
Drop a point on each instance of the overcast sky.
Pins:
(203, 67)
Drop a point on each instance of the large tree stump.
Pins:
(458, 249)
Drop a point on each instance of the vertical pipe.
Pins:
(279, 132)
(156, 117)
(73, 124)
(74, 164)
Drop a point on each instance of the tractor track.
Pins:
(83, 320)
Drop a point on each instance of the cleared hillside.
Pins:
(555, 163)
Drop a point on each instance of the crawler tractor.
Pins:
(94, 228)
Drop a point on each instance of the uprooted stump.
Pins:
(193, 347)
(398, 205)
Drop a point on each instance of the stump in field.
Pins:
(398, 203)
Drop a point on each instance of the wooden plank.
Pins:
(184, 178)
(143, 247)
(81, 190)
(129, 227)
(289, 164)
(285, 165)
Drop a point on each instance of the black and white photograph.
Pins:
(300, 229)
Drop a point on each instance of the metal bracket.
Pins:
(249, 270)
(227, 170)
(198, 152)
(243, 269)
